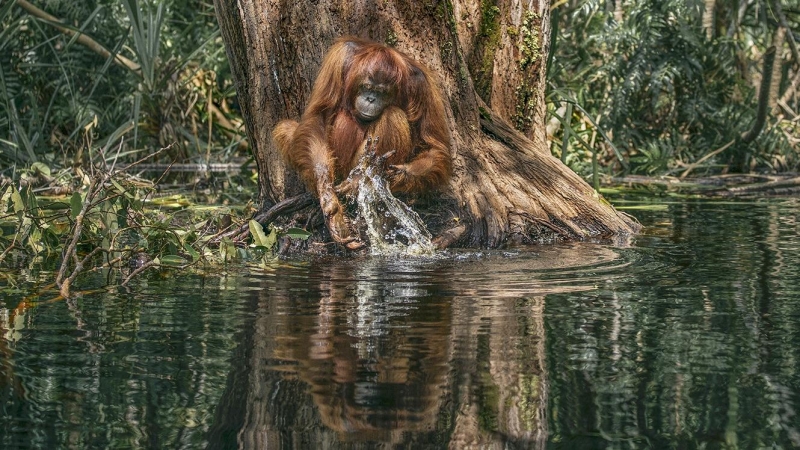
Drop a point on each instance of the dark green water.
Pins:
(687, 337)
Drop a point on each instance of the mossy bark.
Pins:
(490, 58)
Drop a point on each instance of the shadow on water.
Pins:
(689, 337)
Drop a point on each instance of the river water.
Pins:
(687, 336)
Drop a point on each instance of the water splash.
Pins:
(393, 228)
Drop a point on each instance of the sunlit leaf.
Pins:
(40, 167)
(173, 260)
(658, 207)
(35, 240)
(75, 204)
(16, 198)
(272, 238)
(171, 201)
(119, 188)
(257, 232)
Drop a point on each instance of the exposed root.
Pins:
(449, 237)
(512, 193)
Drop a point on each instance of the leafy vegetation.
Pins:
(117, 223)
(155, 76)
(667, 90)
(91, 91)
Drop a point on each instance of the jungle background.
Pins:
(687, 340)
(104, 102)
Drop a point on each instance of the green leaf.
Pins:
(172, 260)
(226, 249)
(120, 189)
(191, 251)
(257, 231)
(35, 240)
(643, 207)
(297, 233)
(272, 238)
(40, 167)
(16, 198)
(21, 132)
(76, 204)
(29, 199)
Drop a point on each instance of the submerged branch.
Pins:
(728, 185)
(788, 186)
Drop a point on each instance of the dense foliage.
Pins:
(76, 123)
(665, 87)
(61, 100)
(667, 90)
(90, 87)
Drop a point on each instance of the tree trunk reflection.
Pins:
(366, 355)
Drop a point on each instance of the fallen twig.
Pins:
(69, 252)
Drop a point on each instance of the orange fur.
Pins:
(328, 139)
(326, 143)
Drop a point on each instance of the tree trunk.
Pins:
(777, 69)
(490, 60)
(618, 12)
(708, 18)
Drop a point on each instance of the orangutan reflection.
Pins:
(377, 359)
(398, 354)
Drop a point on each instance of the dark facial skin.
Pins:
(371, 100)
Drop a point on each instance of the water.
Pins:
(392, 227)
(688, 337)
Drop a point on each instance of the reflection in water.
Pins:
(410, 352)
(698, 348)
(688, 338)
(367, 371)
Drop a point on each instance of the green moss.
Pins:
(490, 14)
(526, 100)
(445, 12)
(529, 45)
(463, 74)
(446, 49)
(490, 32)
(530, 51)
(391, 38)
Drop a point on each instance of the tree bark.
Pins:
(490, 59)
(777, 69)
(619, 12)
(708, 18)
